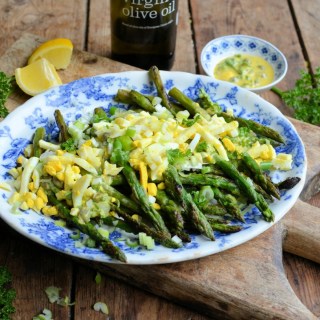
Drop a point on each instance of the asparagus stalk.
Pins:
(207, 104)
(288, 183)
(142, 101)
(156, 78)
(192, 106)
(142, 197)
(243, 168)
(264, 193)
(254, 126)
(120, 158)
(172, 208)
(259, 177)
(124, 96)
(223, 227)
(196, 179)
(176, 189)
(213, 108)
(118, 180)
(101, 114)
(246, 186)
(139, 226)
(213, 209)
(38, 135)
(124, 200)
(229, 202)
(211, 169)
(174, 215)
(64, 134)
(87, 228)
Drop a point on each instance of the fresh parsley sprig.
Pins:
(6, 88)
(304, 98)
(7, 294)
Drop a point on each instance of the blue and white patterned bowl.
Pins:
(223, 47)
(80, 98)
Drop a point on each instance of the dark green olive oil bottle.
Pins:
(143, 32)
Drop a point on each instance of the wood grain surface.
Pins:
(87, 24)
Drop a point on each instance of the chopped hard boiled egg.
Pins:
(79, 189)
(282, 161)
(264, 151)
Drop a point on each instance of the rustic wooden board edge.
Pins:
(221, 296)
(301, 233)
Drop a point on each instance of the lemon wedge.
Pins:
(37, 77)
(57, 51)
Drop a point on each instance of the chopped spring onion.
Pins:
(176, 239)
(146, 241)
(131, 243)
(194, 142)
(26, 174)
(104, 232)
(48, 145)
(46, 315)
(75, 235)
(113, 110)
(101, 306)
(90, 243)
(266, 165)
(98, 278)
(156, 100)
(80, 125)
(60, 223)
(205, 170)
(130, 132)
(5, 186)
(53, 293)
(126, 142)
(206, 192)
(78, 244)
(64, 302)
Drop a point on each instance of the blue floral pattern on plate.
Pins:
(81, 97)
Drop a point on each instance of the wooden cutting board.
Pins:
(246, 282)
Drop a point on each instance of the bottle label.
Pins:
(146, 14)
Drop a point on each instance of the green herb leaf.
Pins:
(178, 158)
(6, 88)
(202, 146)
(191, 122)
(7, 295)
(69, 145)
(304, 98)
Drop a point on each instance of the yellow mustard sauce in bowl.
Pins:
(245, 70)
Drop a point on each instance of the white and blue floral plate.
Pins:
(82, 96)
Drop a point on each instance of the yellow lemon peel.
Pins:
(57, 51)
(37, 77)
